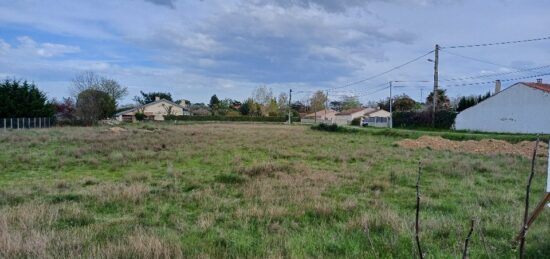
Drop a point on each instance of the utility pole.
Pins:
(326, 105)
(436, 78)
(290, 107)
(421, 94)
(391, 106)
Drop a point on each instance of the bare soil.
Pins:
(485, 146)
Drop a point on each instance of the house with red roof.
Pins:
(521, 108)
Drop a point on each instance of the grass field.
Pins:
(253, 190)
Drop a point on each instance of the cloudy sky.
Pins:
(195, 48)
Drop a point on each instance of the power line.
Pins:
(495, 43)
(495, 74)
(478, 60)
(382, 73)
(502, 80)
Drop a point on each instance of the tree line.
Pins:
(94, 97)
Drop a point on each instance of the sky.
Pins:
(197, 48)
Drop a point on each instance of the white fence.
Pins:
(25, 123)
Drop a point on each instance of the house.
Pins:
(346, 116)
(378, 118)
(520, 108)
(322, 116)
(154, 111)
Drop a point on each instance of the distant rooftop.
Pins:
(538, 85)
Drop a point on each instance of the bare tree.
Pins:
(417, 222)
(91, 81)
(113, 88)
(168, 109)
(87, 80)
(526, 211)
(468, 238)
(318, 100)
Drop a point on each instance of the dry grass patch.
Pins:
(118, 192)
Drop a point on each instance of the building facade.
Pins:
(520, 108)
(153, 111)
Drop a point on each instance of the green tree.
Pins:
(443, 102)
(214, 103)
(251, 108)
(466, 102)
(93, 105)
(318, 101)
(23, 99)
(350, 102)
(403, 103)
(150, 97)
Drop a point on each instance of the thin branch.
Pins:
(526, 212)
(468, 238)
(416, 228)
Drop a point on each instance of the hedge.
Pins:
(231, 118)
(443, 119)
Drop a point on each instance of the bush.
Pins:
(443, 119)
(229, 118)
(356, 122)
(140, 116)
(328, 127)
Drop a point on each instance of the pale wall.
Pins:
(517, 109)
(159, 111)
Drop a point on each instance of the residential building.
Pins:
(346, 116)
(154, 111)
(378, 118)
(322, 116)
(520, 108)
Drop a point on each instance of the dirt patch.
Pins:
(485, 146)
(117, 129)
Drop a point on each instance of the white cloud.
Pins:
(233, 45)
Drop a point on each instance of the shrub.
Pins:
(140, 116)
(327, 127)
(356, 122)
(443, 119)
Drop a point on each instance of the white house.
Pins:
(154, 111)
(322, 116)
(378, 118)
(520, 108)
(345, 117)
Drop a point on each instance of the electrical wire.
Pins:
(380, 74)
(495, 43)
(495, 74)
(503, 80)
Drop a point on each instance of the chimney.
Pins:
(497, 86)
(157, 98)
(539, 80)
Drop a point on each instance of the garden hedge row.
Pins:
(443, 119)
(232, 118)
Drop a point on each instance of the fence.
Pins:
(26, 123)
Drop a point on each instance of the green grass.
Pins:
(256, 190)
(447, 134)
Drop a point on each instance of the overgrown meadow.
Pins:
(254, 190)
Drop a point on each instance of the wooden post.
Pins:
(5, 124)
(34, 122)
(540, 207)
(527, 194)
(417, 224)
